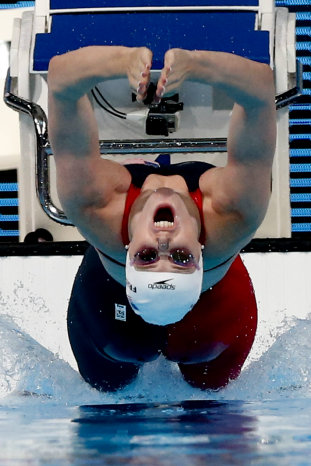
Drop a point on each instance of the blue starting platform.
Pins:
(157, 31)
(74, 4)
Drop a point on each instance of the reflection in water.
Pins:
(35, 430)
(154, 433)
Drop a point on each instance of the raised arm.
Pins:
(243, 186)
(84, 179)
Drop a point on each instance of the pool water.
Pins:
(190, 433)
(49, 416)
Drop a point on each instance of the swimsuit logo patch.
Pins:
(162, 285)
(120, 312)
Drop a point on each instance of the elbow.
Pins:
(55, 84)
(267, 95)
(58, 80)
(262, 88)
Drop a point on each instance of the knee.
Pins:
(206, 377)
(111, 380)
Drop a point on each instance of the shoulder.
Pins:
(101, 225)
(238, 192)
(229, 221)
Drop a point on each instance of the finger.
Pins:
(160, 91)
(165, 74)
(169, 58)
(146, 58)
(162, 82)
(141, 89)
(145, 69)
(142, 83)
(158, 95)
(146, 77)
(141, 92)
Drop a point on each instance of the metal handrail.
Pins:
(287, 97)
(174, 146)
(141, 146)
(42, 147)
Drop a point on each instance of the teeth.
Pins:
(163, 224)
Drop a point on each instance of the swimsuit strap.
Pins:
(132, 195)
(198, 200)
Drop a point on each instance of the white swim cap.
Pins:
(162, 298)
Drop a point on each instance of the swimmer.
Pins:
(163, 273)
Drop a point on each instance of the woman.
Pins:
(163, 274)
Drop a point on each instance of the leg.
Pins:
(217, 373)
(212, 342)
(100, 371)
(109, 352)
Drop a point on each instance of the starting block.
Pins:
(255, 30)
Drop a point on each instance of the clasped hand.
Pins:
(177, 66)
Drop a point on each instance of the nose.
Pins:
(163, 244)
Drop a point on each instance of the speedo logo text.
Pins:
(162, 285)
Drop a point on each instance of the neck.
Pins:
(174, 182)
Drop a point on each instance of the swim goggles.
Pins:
(179, 256)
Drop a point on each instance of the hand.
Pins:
(177, 68)
(139, 60)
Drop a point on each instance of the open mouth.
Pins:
(164, 218)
